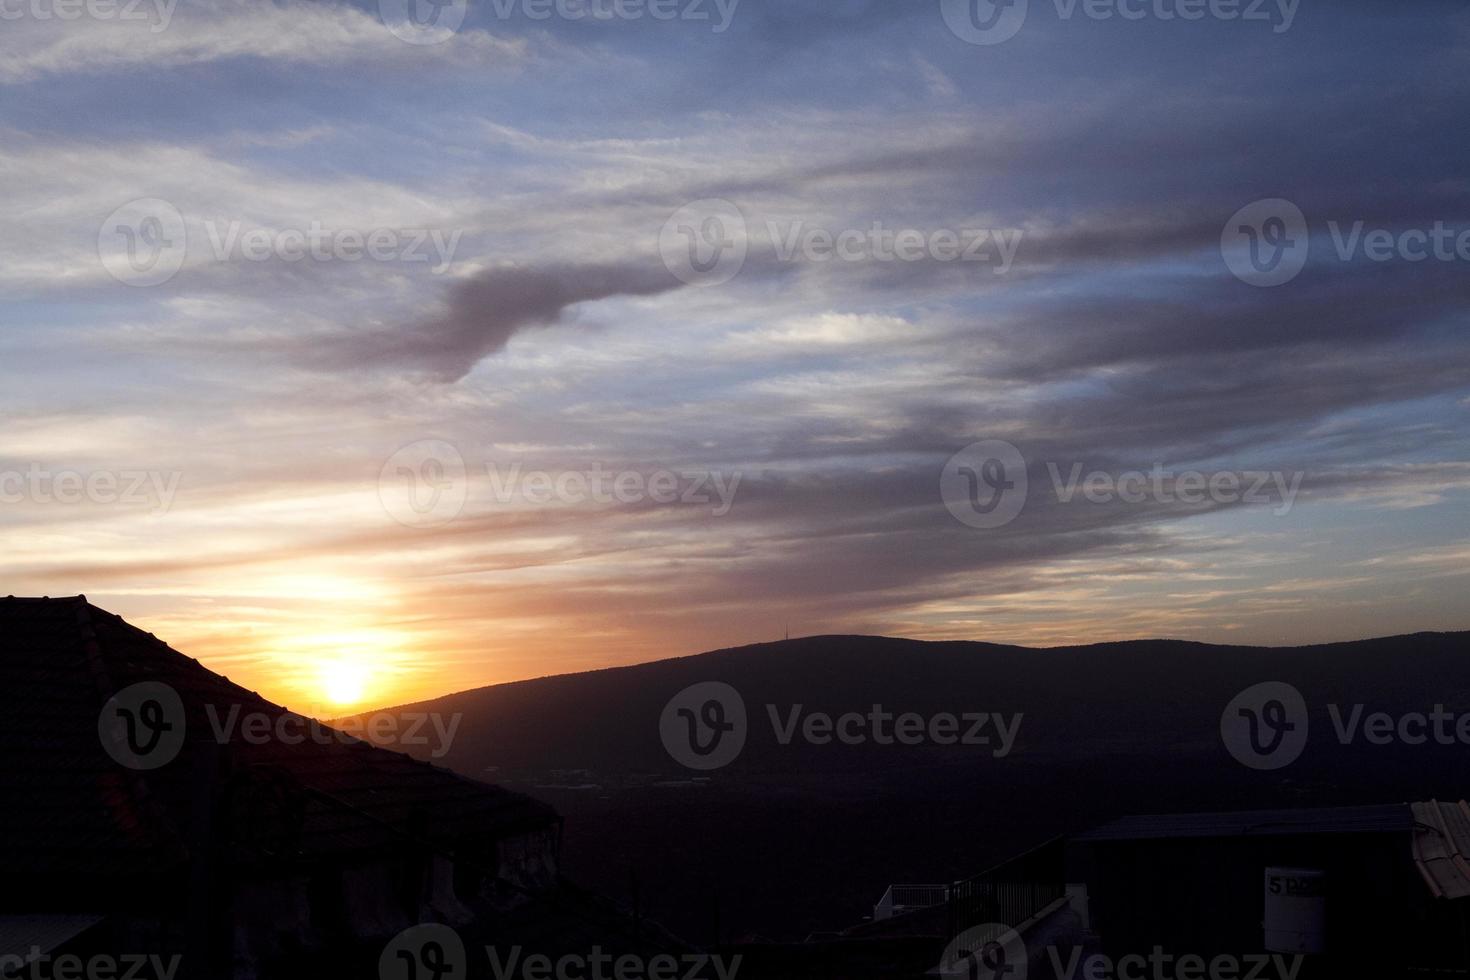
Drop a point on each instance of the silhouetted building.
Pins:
(213, 836)
(1353, 890)
(1331, 892)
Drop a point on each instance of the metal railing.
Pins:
(903, 898)
(1007, 894)
(1008, 903)
(1010, 893)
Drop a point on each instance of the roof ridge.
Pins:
(358, 743)
(150, 810)
(92, 650)
(43, 598)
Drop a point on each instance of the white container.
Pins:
(1296, 910)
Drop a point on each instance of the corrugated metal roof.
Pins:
(1390, 818)
(1441, 843)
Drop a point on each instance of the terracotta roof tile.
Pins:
(70, 807)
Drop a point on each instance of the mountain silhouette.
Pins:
(795, 835)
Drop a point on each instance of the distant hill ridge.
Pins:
(903, 642)
(795, 837)
(610, 716)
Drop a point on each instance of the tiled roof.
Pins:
(1441, 845)
(1391, 818)
(70, 808)
(22, 936)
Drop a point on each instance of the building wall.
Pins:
(529, 860)
(1206, 896)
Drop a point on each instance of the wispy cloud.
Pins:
(168, 34)
(556, 340)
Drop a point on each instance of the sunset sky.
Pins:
(269, 401)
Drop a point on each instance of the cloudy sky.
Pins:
(367, 352)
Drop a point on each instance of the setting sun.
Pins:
(343, 682)
(344, 668)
